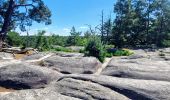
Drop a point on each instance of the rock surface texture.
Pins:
(142, 76)
(72, 65)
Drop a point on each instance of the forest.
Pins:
(138, 24)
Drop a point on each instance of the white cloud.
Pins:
(66, 30)
(83, 27)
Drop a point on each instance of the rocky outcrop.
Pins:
(64, 54)
(91, 87)
(26, 76)
(143, 76)
(86, 90)
(4, 55)
(72, 65)
(39, 94)
(35, 56)
(134, 89)
(143, 68)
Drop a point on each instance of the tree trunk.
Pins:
(1, 43)
(6, 23)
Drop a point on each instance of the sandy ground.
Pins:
(107, 60)
(5, 90)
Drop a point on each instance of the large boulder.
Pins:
(67, 89)
(66, 54)
(86, 90)
(4, 55)
(39, 94)
(26, 76)
(134, 89)
(92, 87)
(72, 65)
(143, 68)
(35, 56)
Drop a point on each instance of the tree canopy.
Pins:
(22, 13)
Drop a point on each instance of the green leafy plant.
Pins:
(96, 49)
(63, 49)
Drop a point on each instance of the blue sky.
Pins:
(78, 13)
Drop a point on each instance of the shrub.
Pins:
(117, 52)
(107, 47)
(63, 49)
(109, 55)
(96, 49)
(166, 43)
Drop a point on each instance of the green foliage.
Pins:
(109, 54)
(57, 40)
(122, 53)
(141, 22)
(119, 52)
(96, 49)
(13, 39)
(63, 49)
(109, 46)
(42, 42)
(74, 38)
(22, 13)
(166, 43)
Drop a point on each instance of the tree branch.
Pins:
(24, 5)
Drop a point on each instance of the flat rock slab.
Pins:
(65, 54)
(86, 90)
(142, 68)
(39, 94)
(26, 76)
(72, 65)
(4, 55)
(134, 89)
(35, 56)
(92, 87)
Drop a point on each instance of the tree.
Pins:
(122, 23)
(107, 30)
(95, 48)
(14, 39)
(162, 22)
(74, 38)
(12, 16)
(42, 42)
(141, 22)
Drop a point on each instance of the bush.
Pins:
(121, 52)
(109, 55)
(166, 43)
(63, 49)
(107, 47)
(96, 49)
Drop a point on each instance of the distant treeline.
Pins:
(138, 23)
(41, 41)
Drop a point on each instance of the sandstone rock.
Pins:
(4, 55)
(65, 54)
(39, 94)
(26, 76)
(135, 89)
(86, 90)
(70, 65)
(138, 68)
(35, 56)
